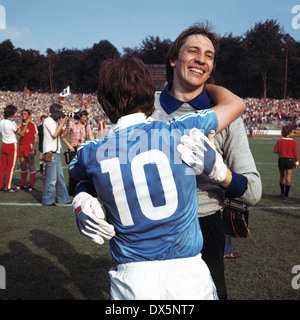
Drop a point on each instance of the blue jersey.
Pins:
(149, 194)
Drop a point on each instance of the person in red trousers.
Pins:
(288, 160)
(9, 149)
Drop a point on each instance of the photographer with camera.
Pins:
(54, 184)
(79, 132)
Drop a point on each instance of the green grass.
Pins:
(46, 258)
(269, 254)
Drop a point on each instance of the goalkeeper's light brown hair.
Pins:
(202, 28)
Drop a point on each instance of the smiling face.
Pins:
(24, 115)
(193, 67)
(83, 119)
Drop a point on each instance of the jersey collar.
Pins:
(171, 104)
(129, 120)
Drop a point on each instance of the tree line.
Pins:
(264, 62)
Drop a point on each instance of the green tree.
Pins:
(10, 77)
(264, 53)
(229, 65)
(67, 68)
(292, 67)
(153, 50)
(92, 61)
(32, 69)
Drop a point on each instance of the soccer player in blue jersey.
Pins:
(148, 194)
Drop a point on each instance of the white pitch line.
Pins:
(68, 205)
(284, 208)
(266, 163)
(31, 204)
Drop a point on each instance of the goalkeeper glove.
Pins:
(90, 218)
(199, 153)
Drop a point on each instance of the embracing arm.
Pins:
(228, 105)
(232, 152)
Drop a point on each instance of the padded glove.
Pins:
(90, 218)
(199, 153)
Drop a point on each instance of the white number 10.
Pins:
(112, 166)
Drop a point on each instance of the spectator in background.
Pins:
(54, 184)
(79, 132)
(262, 114)
(251, 131)
(9, 149)
(27, 151)
(41, 138)
(288, 160)
(101, 128)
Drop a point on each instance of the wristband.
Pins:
(237, 187)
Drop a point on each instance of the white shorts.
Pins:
(177, 279)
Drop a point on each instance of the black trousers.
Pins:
(72, 187)
(72, 182)
(213, 250)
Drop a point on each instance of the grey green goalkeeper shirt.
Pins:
(232, 144)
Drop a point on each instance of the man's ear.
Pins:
(172, 63)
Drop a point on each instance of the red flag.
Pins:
(27, 91)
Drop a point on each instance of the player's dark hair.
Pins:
(125, 87)
(55, 107)
(9, 111)
(286, 130)
(83, 113)
(26, 110)
(204, 29)
(56, 111)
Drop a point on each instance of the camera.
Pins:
(57, 114)
(74, 114)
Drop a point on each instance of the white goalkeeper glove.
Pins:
(199, 153)
(90, 218)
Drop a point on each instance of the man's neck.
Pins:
(184, 95)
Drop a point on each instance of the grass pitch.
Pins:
(45, 257)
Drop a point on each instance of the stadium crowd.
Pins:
(264, 114)
(260, 114)
(268, 114)
(38, 104)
